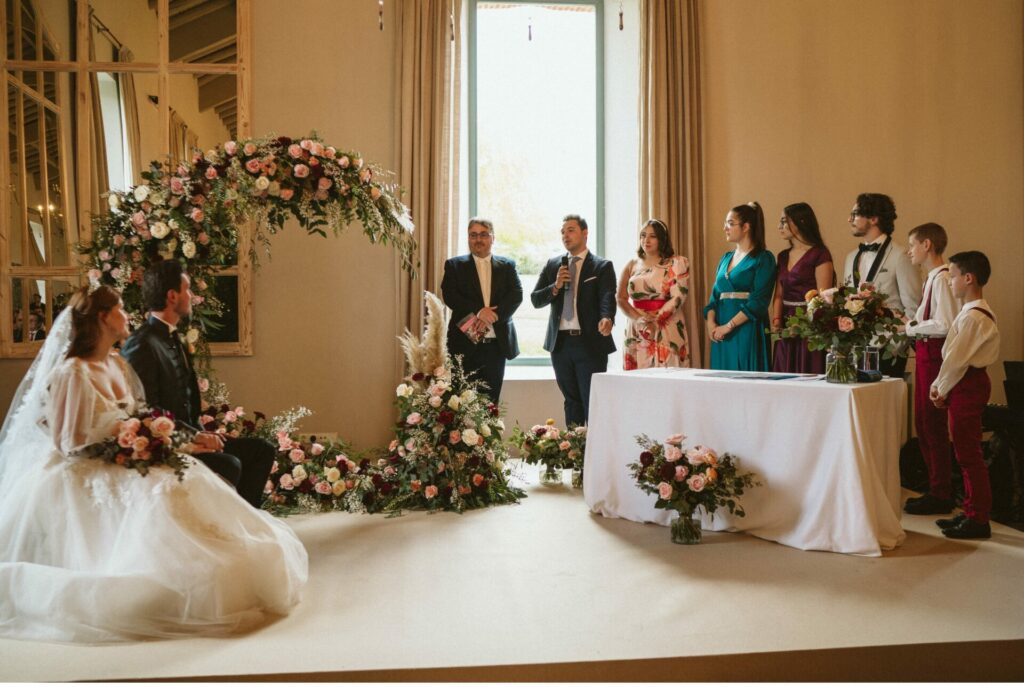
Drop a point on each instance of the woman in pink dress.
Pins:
(804, 266)
(652, 291)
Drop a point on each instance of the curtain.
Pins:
(99, 181)
(180, 148)
(671, 143)
(130, 107)
(429, 83)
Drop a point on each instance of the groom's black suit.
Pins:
(165, 368)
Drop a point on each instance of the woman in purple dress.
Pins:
(804, 266)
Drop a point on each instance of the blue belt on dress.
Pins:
(739, 295)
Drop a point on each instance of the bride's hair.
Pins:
(86, 308)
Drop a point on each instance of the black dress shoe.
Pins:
(969, 529)
(929, 505)
(946, 523)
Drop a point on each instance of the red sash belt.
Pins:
(649, 306)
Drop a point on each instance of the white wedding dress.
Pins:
(94, 552)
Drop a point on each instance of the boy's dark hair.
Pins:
(931, 232)
(159, 278)
(973, 262)
(878, 205)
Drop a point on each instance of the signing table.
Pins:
(827, 455)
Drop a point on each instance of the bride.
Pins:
(93, 552)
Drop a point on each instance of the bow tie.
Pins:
(870, 247)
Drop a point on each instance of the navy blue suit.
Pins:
(577, 357)
(460, 288)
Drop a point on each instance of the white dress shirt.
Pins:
(483, 273)
(944, 306)
(973, 341)
(574, 323)
(867, 258)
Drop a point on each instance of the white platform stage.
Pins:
(545, 590)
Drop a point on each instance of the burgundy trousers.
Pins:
(931, 423)
(966, 402)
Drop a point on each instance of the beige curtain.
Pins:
(99, 181)
(671, 148)
(428, 61)
(180, 149)
(130, 107)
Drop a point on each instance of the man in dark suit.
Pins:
(580, 288)
(160, 358)
(488, 287)
(36, 330)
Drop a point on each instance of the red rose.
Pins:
(646, 458)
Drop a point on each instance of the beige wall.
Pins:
(818, 100)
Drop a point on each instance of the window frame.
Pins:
(596, 224)
(76, 164)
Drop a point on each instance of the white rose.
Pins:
(500, 424)
(141, 192)
(262, 183)
(332, 474)
(274, 189)
(171, 245)
(114, 201)
(188, 249)
(192, 336)
(173, 224)
(485, 430)
(468, 395)
(470, 437)
(453, 402)
(159, 230)
(854, 306)
(402, 390)
(299, 473)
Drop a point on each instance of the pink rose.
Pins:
(287, 193)
(306, 144)
(177, 185)
(441, 467)
(197, 214)
(287, 482)
(828, 295)
(324, 183)
(430, 492)
(301, 171)
(230, 416)
(198, 199)
(845, 324)
(95, 275)
(393, 445)
(144, 233)
(133, 424)
(364, 176)
(435, 401)
(104, 255)
(116, 273)
(118, 240)
(252, 166)
(295, 150)
(564, 446)
(140, 444)
(665, 490)
(676, 439)
(313, 162)
(358, 162)
(478, 479)
(413, 418)
(203, 238)
(410, 444)
(316, 148)
(697, 483)
(330, 152)
(230, 147)
(673, 453)
(126, 439)
(162, 427)
(297, 455)
(323, 487)
(211, 172)
(204, 384)
(681, 472)
(320, 195)
(343, 162)
(389, 471)
(182, 171)
(316, 449)
(454, 436)
(415, 485)
(139, 219)
(249, 149)
(375, 193)
(697, 455)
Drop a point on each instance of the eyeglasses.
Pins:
(474, 236)
(855, 214)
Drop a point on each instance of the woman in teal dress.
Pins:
(737, 313)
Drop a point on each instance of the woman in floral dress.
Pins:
(652, 291)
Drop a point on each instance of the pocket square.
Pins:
(589, 279)
(884, 269)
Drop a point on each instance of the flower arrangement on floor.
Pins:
(447, 453)
(191, 213)
(146, 440)
(553, 449)
(687, 479)
(842, 318)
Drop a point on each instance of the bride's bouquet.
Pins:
(148, 439)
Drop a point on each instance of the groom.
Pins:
(159, 357)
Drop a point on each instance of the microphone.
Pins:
(565, 261)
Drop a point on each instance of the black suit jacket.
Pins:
(165, 368)
(460, 288)
(595, 301)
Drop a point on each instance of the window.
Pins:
(535, 135)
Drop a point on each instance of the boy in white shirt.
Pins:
(928, 327)
(963, 386)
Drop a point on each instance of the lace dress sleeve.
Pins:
(72, 409)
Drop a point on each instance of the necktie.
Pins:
(568, 304)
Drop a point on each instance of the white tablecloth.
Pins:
(827, 455)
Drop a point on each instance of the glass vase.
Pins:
(686, 530)
(550, 474)
(840, 367)
(577, 478)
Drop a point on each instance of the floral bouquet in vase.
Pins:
(844, 318)
(687, 479)
(143, 441)
(552, 449)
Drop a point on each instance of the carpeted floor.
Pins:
(546, 590)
